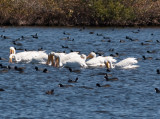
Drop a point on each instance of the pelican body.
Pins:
(98, 61)
(128, 63)
(27, 56)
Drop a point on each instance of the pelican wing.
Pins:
(69, 57)
(96, 62)
(75, 63)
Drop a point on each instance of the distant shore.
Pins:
(79, 13)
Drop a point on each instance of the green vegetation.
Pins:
(80, 12)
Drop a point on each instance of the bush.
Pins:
(79, 12)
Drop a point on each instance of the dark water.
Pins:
(132, 96)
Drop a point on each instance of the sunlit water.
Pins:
(132, 96)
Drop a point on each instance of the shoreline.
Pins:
(122, 26)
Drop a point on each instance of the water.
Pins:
(132, 96)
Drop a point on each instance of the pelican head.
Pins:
(91, 55)
(108, 64)
(11, 57)
(12, 50)
(83, 56)
(51, 58)
(57, 61)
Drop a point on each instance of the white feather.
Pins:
(72, 59)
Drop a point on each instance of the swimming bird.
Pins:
(127, 63)
(40, 49)
(5, 69)
(122, 41)
(99, 34)
(37, 69)
(145, 43)
(76, 70)
(108, 40)
(50, 92)
(2, 58)
(66, 33)
(35, 36)
(110, 79)
(158, 71)
(157, 59)
(98, 85)
(105, 37)
(5, 37)
(115, 55)
(149, 41)
(18, 44)
(2, 66)
(71, 60)
(65, 46)
(20, 69)
(97, 61)
(153, 51)
(129, 38)
(41, 69)
(1, 89)
(71, 81)
(147, 58)
(157, 90)
(45, 71)
(85, 87)
(91, 32)
(28, 56)
(61, 85)
(134, 40)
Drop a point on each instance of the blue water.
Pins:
(132, 96)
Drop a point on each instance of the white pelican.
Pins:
(72, 59)
(28, 56)
(98, 61)
(127, 63)
(76, 62)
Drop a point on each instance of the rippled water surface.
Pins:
(132, 96)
